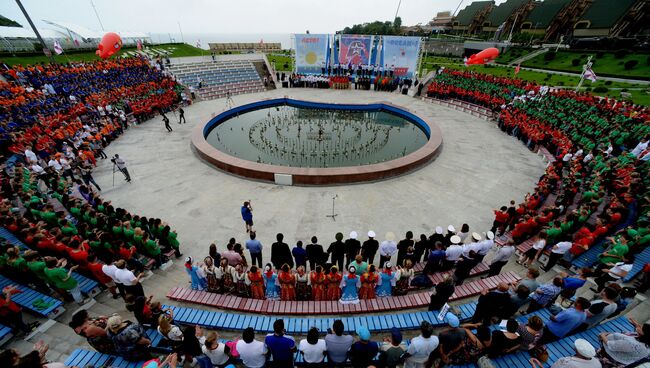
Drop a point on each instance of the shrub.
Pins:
(620, 54)
(286, 65)
(624, 90)
(560, 83)
(599, 54)
(588, 89)
(550, 55)
(575, 62)
(608, 83)
(601, 89)
(630, 64)
(583, 56)
(647, 61)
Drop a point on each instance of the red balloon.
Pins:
(109, 45)
(484, 56)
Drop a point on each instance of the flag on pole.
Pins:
(76, 42)
(261, 42)
(517, 69)
(57, 48)
(589, 74)
(465, 60)
(198, 43)
(139, 44)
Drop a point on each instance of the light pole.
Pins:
(46, 50)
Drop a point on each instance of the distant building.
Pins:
(552, 19)
(246, 46)
(470, 19)
(442, 22)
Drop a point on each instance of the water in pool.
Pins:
(303, 137)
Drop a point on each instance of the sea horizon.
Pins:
(205, 38)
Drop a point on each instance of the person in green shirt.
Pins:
(67, 228)
(615, 253)
(62, 279)
(37, 266)
(152, 249)
(128, 231)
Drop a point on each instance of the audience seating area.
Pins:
(219, 77)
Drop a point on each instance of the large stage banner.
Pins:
(312, 53)
(401, 53)
(354, 49)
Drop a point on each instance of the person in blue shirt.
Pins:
(247, 215)
(436, 256)
(565, 322)
(281, 347)
(254, 246)
(300, 255)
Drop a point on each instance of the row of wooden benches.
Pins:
(391, 303)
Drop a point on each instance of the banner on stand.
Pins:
(312, 51)
(401, 53)
(354, 50)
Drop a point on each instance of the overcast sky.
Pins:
(233, 16)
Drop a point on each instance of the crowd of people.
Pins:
(55, 121)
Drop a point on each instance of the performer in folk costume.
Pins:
(404, 275)
(270, 280)
(287, 281)
(224, 276)
(368, 281)
(198, 282)
(318, 280)
(239, 277)
(386, 281)
(303, 290)
(334, 284)
(349, 287)
(210, 271)
(256, 282)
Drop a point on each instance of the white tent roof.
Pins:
(21, 32)
(83, 32)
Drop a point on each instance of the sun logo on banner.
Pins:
(311, 58)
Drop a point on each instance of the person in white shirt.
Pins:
(475, 245)
(485, 246)
(585, 357)
(418, 351)
(557, 252)
(30, 155)
(588, 157)
(252, 352)
(109, 270)
(53, 163)
(121, 165)
(67, 169)
(170, 331)
(127, 278)
(501, 258)
(643, 144)
(615, 273)
(453, 252)
(387, 248)
(37, 169)
(312, 348)
(219, 353)
(531, 255)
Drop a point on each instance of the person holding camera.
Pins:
(247, 215)
(121, 165)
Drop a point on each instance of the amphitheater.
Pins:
(476, 169)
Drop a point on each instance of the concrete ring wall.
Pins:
(318, 176)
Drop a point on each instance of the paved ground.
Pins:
(478, 169)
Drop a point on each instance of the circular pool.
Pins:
(301, 142)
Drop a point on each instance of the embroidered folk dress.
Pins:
(349, 289)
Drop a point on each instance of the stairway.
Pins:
(528, 57)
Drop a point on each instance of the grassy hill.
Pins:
(609, 64)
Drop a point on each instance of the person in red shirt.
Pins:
(10, 313)
(78, 254)
(500, 220)
(95, 268)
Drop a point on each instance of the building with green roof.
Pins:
(471, 17)
(506, 13)
(608, 18)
